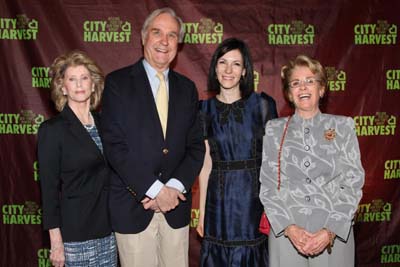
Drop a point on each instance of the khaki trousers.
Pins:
(158, 245)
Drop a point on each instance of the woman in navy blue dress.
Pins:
(233, 126)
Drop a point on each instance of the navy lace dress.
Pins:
(233, 209)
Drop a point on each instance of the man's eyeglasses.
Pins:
(307, 82)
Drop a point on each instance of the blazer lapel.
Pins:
(172, 104)
(78, 130)
(142, 85)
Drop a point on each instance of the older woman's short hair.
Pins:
(73, 59)
(302, 61)
(155, 14)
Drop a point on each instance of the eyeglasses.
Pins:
(307, 82)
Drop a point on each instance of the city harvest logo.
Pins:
(336, 79)
(381, 33)
(19, 28)
(206, 31)
(113, 30)
(194, 218)
(40, 77)
(25, 122)
(43, 255)
(297, 33)
(392, 169)
(376, 211)
(380, 124)
(28, 213)
(390, 254)
(393, 79)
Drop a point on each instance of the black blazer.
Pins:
(74, 179)
(136, 149)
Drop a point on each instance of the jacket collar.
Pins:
(76, 128)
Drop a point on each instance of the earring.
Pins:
(93, 88)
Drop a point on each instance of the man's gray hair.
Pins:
(158, 12)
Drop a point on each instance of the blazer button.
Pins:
(306, 163)
(307, 147)
(307, 198)
(308, 180)
(306, 130)
(165, 151)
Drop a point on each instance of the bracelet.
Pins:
(332, 236)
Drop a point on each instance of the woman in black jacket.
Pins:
(73, 171)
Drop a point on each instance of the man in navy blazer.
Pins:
(150, 194)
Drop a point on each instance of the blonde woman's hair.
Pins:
(73, 59)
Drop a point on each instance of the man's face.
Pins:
(160, 43)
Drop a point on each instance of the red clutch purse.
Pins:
(264, 225)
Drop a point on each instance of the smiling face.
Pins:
(77, 85)
(160, 43)
(230, 69)
(307, 92)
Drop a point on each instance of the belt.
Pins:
(237, 164)
(235, 243)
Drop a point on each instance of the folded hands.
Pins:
(166, 200)
(309, 244)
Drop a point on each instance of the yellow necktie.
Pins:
(162, 102)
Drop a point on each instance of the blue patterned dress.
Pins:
(233, 209)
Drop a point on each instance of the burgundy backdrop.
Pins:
(357, 41)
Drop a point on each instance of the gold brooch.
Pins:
(330, 134)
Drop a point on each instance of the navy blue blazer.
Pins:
(74, 179)
(136, 149)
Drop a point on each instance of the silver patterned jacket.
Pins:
(321, 174)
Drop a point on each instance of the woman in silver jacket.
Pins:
(311, 176)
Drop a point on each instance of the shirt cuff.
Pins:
(154, 189)
(175, 183)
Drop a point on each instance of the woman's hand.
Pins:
(298, 236)
(317, 242)
(200, 224)
(200, 229)
(57, 256)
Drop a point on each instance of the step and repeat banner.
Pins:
(357, 42)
